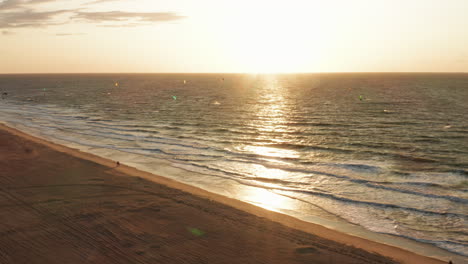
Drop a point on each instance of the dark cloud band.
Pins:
(27, 17)
(14, 4)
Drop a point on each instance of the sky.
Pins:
(242, 36)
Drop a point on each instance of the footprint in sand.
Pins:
(307, 250)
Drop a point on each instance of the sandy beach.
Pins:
(60, 205)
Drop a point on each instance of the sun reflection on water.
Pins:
(268, 175)
(271, 151)
(266, 199)
(272, 113)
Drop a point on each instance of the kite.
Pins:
(116, 84)
(174, 97)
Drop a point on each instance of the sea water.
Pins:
(384, 153)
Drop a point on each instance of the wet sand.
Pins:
(59, 205)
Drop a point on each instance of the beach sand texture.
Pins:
(60, 205)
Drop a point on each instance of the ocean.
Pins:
(378, 155)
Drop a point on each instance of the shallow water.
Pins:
(386, 152)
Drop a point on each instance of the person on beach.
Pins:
(4, 95)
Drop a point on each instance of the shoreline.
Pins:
(396, 253)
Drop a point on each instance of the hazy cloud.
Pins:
(123, 25)
(33, 2)
(13, 4)
(10, 4)
(68, 34)
(29, 18)
(100, 1)
(126, 16)
(26, 16)
(40, 1)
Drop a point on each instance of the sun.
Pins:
(275, 40)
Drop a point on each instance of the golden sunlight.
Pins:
(272, 113)
(275, 40)
(271, 152)
(266, 199)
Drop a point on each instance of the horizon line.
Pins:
(252, 73)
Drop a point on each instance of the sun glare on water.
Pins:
(267, 199)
